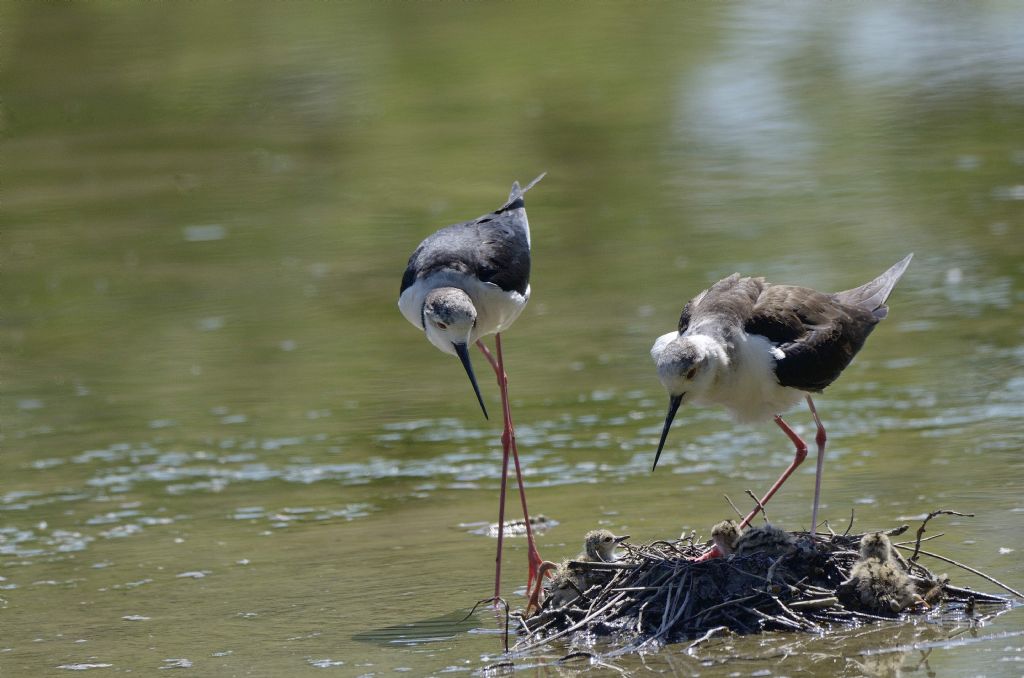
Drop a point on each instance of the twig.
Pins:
(733, 505)
(970, 593)
(814, 604)
(708, 635)
(590, 566)
(972, 571)
(760, 506)
(920, 530)
(492, 599)
(850, 526)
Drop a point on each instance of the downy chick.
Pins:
(880, 584)
(598, 547)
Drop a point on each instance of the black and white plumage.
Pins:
(757, 348)
(469, 280)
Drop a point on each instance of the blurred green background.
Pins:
(223, 444)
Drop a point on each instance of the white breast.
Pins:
(747, 387)
(496, 309)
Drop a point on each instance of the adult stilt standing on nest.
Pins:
(758, 348)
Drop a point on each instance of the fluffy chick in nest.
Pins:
(731, 539)
(879, 582)
(567, 583)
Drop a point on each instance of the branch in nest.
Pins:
(920, 530)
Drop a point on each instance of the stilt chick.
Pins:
(725, 536)
(730, 539)
(881, 585)
(567, 584)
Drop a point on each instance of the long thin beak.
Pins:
(462, 350)
(673, 406)
(619, 540)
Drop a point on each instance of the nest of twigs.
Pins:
(655, 593)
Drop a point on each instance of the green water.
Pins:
(225, 450)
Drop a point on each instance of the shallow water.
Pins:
(226, 452)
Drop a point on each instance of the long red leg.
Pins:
(501, 494)
(798, 458)
(801, 454)
(819, 438)
(508, 444)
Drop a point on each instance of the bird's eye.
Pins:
(607, 538)
(693, 371)
(440, 325)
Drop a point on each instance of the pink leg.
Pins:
(801, 454)
(797, 461)
(508, 444)
(504, 483)
(819, 438)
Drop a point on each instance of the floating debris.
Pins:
(517, 528)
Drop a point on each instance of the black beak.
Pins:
(673, 406)
(619, 540)
(462, 351)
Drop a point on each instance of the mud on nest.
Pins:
(657, 594)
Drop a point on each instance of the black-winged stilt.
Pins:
(757, 348)
(467, 281)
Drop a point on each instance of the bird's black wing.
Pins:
(493, 248)
(817, 333)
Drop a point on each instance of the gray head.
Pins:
(686, 368)
(876, 545)
(725, 536)
(448, 320)
(599, 545)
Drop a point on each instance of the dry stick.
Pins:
(971, 570)
(970, 593)
(570, 629)
(682, 609)
(735, 601)
(850, 526)
(492, 599)
(920, 530)
(711, 633)
(760, 506)
(814, 603)
(781, 621)
(733, 505)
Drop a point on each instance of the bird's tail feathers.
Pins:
(516, 194)
(871, 296)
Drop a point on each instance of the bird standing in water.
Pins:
(757, 348)
(467, 281)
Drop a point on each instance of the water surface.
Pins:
(226, 452)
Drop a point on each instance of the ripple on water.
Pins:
(303, 514)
